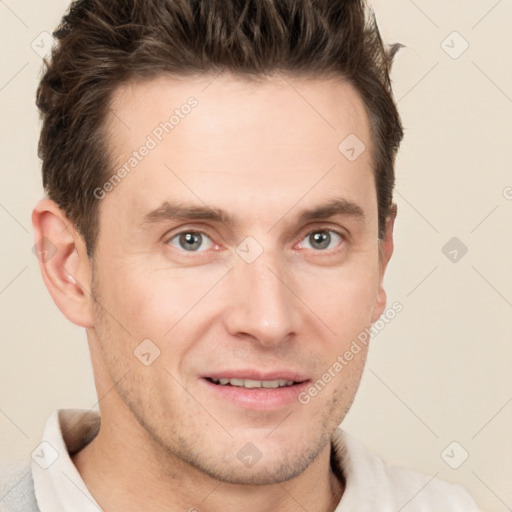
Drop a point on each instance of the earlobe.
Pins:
(63, 261)
(385, 252)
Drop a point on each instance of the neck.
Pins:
(124, 470)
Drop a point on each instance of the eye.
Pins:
(322, 239)
(190, 241)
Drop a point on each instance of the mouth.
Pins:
(252, 390)
(253, 384)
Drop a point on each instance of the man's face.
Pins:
(269, 299)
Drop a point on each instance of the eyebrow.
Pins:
(181, 211)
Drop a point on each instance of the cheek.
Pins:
(154, 303)
(344, 298)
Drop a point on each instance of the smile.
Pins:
(251, 384)
(256, 390)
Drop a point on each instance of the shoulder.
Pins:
(17, 489)
(369, 478)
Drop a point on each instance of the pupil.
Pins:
(190, 240)
(322, 239)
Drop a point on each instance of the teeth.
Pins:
(249, 383)
(252, 383)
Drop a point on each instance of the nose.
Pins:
(261, 305)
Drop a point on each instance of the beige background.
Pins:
(440, 371)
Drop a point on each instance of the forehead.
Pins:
(321, 106)
(223, 139)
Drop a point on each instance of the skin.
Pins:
(262, 153)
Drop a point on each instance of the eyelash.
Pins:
(309, 233)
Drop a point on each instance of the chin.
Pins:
(250, 466)
(260, 474)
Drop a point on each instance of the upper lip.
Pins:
(252, 374)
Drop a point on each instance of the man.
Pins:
(219, 219)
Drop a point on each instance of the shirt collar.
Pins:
(57, 483)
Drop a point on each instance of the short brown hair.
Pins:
(102, 44)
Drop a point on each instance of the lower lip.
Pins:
(258, 398)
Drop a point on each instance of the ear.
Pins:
(385, 252)
(63, 260)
